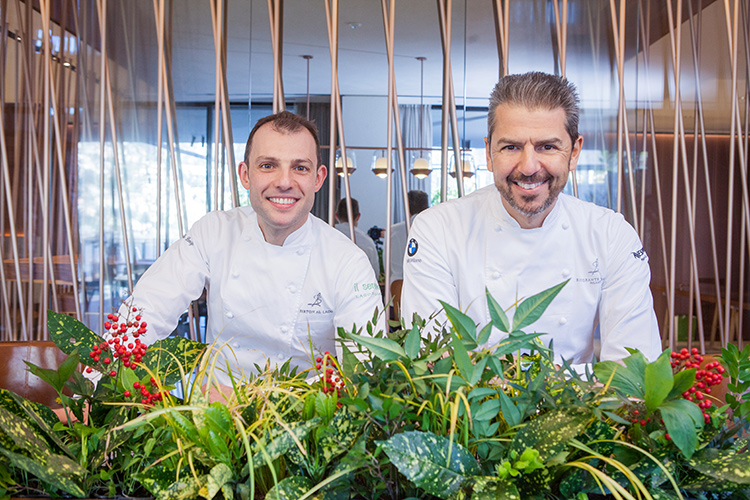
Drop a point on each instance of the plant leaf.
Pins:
(490, 488)
(725, 465)
(658, 380)
(51, 471)
(532, 308)
(291, 488)
(279, 440)
(497, 314)
(384, 349)
(424, 459)
(487, 410)
(70, 335)
(461, 357)
(461, 322)
(413, 342)
(160, 358)
(511, 413)
(549, 433)
(683, 380)
(681, 417)
(336, 438)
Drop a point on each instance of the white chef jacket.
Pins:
(267, 302)
(458, 248)
(398, 249)
(365, 243)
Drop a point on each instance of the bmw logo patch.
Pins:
(411, 249)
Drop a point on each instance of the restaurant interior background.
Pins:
(123, 122)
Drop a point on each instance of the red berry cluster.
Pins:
(332, 381)
(148, 397)
(117, 344)
(709, 375)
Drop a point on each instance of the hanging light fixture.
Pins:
(351, 164)
(380, 165)
(421, 166)
(466, 162)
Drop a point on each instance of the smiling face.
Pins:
(530, 157)
(282, 177)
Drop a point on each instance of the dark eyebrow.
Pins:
(273, 159)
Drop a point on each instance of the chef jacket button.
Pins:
(284, 329)
(235, 274)
(300, 251)
(566, 272)
(563, 321)
(495, 275)
(498, 227)
(230, 315)
(292, 288)
(280, 355)
(235, 344)
(565, 225)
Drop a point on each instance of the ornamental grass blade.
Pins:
(532, 308)
(165, 357)
(384, 349)
(462, 323)
(280, 440)
(431, 462)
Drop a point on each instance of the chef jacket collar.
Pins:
(299, 237)
(501, 214)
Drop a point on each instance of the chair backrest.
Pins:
(15, 376)
(396, 297)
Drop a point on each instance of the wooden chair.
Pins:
(14, 373)
(396, 298)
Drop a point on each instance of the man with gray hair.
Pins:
(522, 236)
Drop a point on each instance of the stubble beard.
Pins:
(526, 207)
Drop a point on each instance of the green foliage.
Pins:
(445, 415)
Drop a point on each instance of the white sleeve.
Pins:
(358, 296)
(427, 274)
(166, 289)
(626, 309)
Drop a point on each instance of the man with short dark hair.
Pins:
(522, 236)
(279, 280)
(362, 239)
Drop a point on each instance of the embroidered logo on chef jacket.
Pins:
(319, 304)
(412, 248)
(594, 276)
(188, 239)
(362, 290)
(640, 254)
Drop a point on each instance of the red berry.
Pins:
(667, 436)
(107, 361)
(113, 373)
(136, 385)
(97, 358)
(127, 394)
(135, 309)
(643, 422)
(107, 324)
(89, 370)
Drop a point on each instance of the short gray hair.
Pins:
(536, 90)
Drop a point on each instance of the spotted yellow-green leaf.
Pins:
(494, 488)
(336, 438)
(53, 471)
(164, 358)
(291, 488)
(216, 479)
(70, 335)
(159, 478)
(23, 434)
(280, 440)
(726, 465)
(550, 433)
(431, 462)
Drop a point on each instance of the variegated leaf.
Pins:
(725, 465)
(431, 462)
(291, 488)
(48, 472)
(338, 436)
(550, 433)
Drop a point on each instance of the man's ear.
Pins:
(575, 153)
(320, 176)
(488, 152)
(242, 172)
